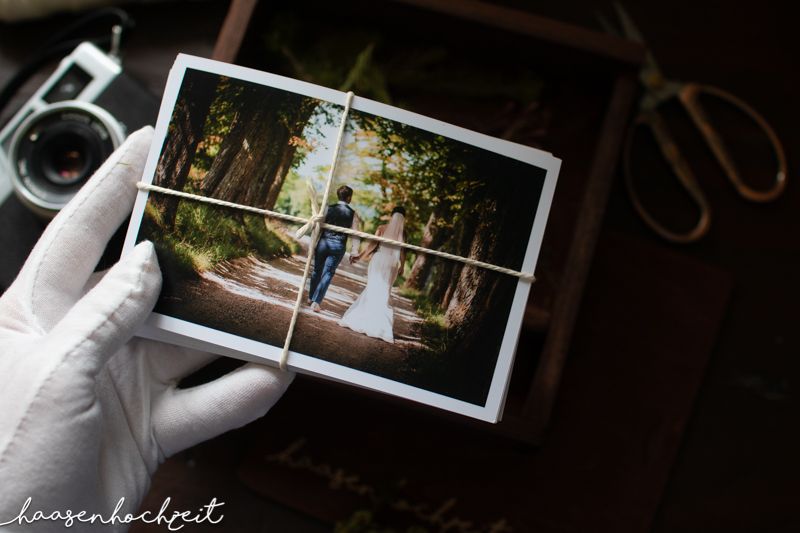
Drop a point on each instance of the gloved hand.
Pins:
(87, 413)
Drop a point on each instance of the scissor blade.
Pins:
(606, 24)
(629, 28)
(650, 75)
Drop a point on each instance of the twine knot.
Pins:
(317, 216)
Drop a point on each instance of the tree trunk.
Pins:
(473, 284)
(280, 175)
(432, 237)
(442, 275)
(461, 246)
(479, 293)
(256, 155)
(185, 132)
(447, 297)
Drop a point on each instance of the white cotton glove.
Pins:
(86, 412)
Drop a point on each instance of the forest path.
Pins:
(255, 298)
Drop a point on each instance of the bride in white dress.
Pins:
(371, 313)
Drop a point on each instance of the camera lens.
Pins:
(68, 162)
(67, 154)
(56, 150)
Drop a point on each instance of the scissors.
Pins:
(659, 90)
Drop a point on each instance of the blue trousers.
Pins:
(327, 256)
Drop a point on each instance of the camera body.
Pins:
(71, 124)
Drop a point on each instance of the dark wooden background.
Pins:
(737, 466)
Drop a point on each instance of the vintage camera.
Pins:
(73, 122)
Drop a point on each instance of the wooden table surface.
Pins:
(738, 466)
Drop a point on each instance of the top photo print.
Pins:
(373, 314)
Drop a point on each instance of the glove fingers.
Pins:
(70, 248)
(178, 362)
(186, 417)
(108, 315)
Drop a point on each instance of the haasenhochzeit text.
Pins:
(175, 521)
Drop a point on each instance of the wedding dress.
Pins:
(371, 313)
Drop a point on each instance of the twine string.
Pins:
(316, 223)
(316, 231)
(525, 276)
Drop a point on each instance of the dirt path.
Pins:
(254, 298)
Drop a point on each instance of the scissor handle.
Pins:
(689, 97)
(669, 149)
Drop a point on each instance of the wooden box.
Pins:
(589, 84)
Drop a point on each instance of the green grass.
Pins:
(267, 240)
(365, 521)
(424, 306)
(179, 259)
(204, 236)
(207, 231)
(433, 330)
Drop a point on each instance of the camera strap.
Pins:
(64, 42)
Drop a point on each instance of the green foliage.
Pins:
(218, 124)
(365, 522)
(366, 62)
(390, 164)
(293, 198)
(342, 59)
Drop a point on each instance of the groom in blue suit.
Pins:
(331, 246)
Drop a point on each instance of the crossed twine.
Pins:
(316, 223)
